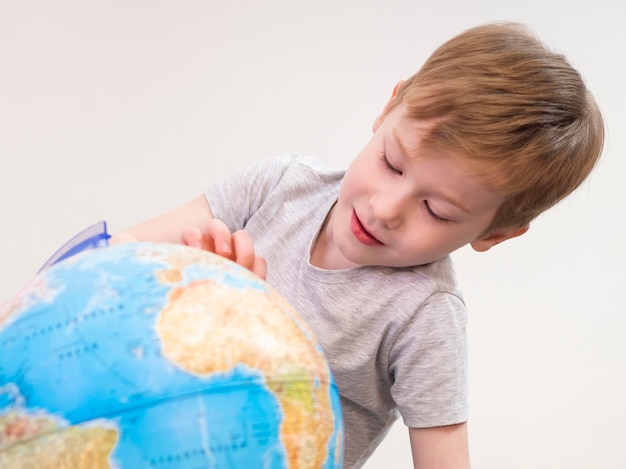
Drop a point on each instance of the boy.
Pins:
(490, 132)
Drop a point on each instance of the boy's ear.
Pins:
(484, 244)
(392, 100)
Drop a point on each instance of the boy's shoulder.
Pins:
(436, 279)
(307, 164)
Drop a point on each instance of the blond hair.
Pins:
(498, 96)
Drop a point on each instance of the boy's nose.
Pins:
(390, 208)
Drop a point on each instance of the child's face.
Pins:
(401, 205)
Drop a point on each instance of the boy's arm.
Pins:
(440, 447)
(193, 224)
(168, 227)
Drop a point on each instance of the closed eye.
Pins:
(433, 215)
(389, 166)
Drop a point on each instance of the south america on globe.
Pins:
(157, 355)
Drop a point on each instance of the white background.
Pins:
(120, 110)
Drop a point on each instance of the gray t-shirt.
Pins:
(395, 338)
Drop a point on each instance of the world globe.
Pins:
(161, 356)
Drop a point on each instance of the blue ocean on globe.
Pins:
(161, 356)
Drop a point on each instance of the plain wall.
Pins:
(120, 110)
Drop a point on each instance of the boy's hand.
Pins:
(236, 246)
(212, 235)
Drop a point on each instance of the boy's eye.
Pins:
(432, 214)
(389, 166)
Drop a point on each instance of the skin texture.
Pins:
(399, 205)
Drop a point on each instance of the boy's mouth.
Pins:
(360, 233)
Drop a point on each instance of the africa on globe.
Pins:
(159, 355)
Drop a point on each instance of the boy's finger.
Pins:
(243, 249)
(260, 266)
(192, 237)
(219, 238)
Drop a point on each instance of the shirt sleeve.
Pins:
(235, 198)
(429, 366)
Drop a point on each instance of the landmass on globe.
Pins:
(36, 441)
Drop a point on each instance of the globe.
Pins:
(161, 356)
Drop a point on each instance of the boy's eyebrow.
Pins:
(407, 154)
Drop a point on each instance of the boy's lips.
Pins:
(360, 233)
